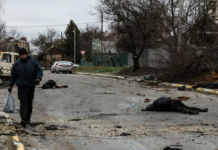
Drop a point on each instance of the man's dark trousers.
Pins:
(26, 96)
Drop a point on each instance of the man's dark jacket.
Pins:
(25, 72)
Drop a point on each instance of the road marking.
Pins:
(15, 138)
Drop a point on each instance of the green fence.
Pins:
(85, 63)
(105, 60)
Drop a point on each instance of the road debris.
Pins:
(124, 134)
(75, 120)
(147, 100)
(55, 127)
(169, 148)
(164, 90)
(182, 88)
(109, 93)
(183, 98)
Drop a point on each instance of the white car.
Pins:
(75, 65)
(53, 67)
(64, 67)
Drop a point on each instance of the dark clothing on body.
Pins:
(52, 84)
(209, 86)
(49, 84)
(161, 104)
(172, 105)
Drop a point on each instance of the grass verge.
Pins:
(101, 69)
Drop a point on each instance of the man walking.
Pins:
(27, 73)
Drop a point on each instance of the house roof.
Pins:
(54, 50)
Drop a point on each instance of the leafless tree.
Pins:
(132, 21)
(86, 37)
(5, 43)
(44, 42)
(2, 32)
(193, 48)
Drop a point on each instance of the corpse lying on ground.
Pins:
(52, 84)
(172, 105)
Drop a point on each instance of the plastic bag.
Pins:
(9, 104)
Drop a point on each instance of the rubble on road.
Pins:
(183, 98)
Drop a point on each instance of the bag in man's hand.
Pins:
(9, 104)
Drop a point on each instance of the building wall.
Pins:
(24, 45)
(9, 46)
(149, 58)
(58, 57)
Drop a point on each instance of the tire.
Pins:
(70, 72)
(57, 71)
(52, 71)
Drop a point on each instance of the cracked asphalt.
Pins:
(98, 113)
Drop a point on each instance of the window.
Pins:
(6, 58)
(16, 58)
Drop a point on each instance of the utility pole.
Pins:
(101, 29)
(75, 44)
(180, 24)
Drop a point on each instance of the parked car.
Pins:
(7, 59)
(53, 67)
(75, 65)
(64, 66)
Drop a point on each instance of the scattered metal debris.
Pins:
(169, 148)
(54, 127)
(118, 127)
(75, 120)
(124, 134)
(147, 100)
(183, 98)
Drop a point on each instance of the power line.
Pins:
(48, 25)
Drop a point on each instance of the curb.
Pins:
(189, 87)
(151, 81)
(15, 138)
(102, 75)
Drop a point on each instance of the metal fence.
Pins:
(85, 63)
(105, 60)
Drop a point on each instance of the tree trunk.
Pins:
(111, 59)
(136, 64)
(119, 62)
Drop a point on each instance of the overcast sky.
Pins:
(46, 12)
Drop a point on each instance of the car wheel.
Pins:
(70, 72)
(57, 71)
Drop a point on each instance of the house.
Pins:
(53, 54)
(104, 52)
(11, 44)
(107, 44)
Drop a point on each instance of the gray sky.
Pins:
(46, 12)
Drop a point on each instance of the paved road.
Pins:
(95, 113)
